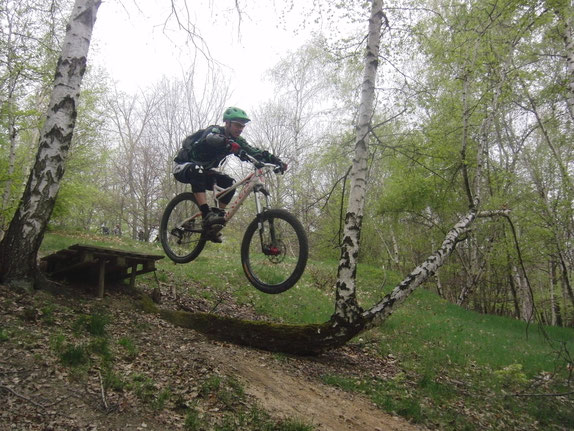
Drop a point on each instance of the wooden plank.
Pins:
(111, 251)
(76, 248)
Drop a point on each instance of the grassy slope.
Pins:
(461, 370)
(464, 370)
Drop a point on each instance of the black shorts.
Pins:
(202, 179)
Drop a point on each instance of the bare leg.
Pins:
(200, 198)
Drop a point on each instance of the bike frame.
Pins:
(253, 182)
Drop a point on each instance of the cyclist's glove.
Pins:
(242, 155)
(281, 165)
(233, 147)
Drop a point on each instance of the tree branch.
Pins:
(380, 311)
(13, 392)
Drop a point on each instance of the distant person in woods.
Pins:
(118, 230)
(205, 150)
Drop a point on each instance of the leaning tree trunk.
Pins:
(20, 245)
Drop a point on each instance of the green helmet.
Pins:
(236, 114)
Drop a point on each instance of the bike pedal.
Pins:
(214, 228)
(216, 238)
(212, 231)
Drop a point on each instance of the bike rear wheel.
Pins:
(274, 251)
(179, 234)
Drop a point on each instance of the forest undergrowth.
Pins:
(434, 364)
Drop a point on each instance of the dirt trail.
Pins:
(288, 392)
(39, 393)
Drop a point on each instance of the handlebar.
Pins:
(258, 163)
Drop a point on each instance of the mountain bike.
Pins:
(274, 249)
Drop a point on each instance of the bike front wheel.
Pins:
(180, 231)
(274, 251)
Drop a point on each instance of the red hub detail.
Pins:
(272, 251)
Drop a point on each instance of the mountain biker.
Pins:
(205, 150)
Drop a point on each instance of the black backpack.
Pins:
(184, 155)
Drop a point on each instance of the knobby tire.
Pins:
(181, 245)
(274, 265)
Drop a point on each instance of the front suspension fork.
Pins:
(268, 249)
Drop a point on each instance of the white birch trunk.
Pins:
(395, 255)
(346, 308)
(553, 300)
(569, 46)
(393, 249)
(526, 301)
(20, 245)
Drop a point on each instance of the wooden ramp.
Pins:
(98, 265)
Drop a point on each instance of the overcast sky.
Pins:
(136, 49)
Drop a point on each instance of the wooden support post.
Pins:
(133, 276)
(102, 278)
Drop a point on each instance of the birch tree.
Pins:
(564, 12)
(20, 245)
(346, 307)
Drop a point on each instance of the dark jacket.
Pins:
(208, 147)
